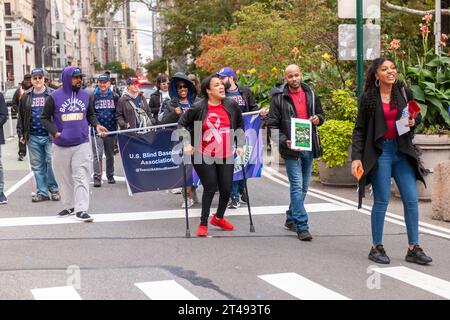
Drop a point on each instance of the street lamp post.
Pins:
(43, 49)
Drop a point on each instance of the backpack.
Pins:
(142, 119)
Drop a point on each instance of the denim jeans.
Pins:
(40, 151)
(236, 188)
(2, 182)
(394, 164)
(299, 174)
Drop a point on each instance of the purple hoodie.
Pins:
(70, 114)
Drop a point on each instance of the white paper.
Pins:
(402, 126)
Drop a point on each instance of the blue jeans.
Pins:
(236, 188)
(40, 151)
(394, 164)
(299, 174)
(2, 182)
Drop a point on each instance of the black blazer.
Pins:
(367, 136)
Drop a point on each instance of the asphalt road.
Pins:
(137, 249)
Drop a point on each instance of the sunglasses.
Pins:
(38, 78)
(182, 86)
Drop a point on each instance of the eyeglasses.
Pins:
(182, 86)
(38, 78)
(164, 84)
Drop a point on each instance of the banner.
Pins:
(150, 161)
(253, 151)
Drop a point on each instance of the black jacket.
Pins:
(282, 109)
(24, 115)
(366, 141)
(199, 111)
(155, 103)
(3, 117)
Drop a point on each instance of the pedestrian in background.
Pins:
(132, 109)
(183, 95)
(67, 116)
(3, 119)
(104, 102)
(23, 87)
(161, 94)
(193, 78)
(247, 103)
(214, 123)
(381, 153)
(32, 133)
(295, 99)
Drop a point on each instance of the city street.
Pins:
(136, 248)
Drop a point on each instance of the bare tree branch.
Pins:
(445, 12)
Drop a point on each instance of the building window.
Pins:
(57, 35)
(8, 32)
(7, 9)
(9, 54)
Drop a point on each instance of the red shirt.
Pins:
(299, 99)
(216, 137)
(391, 117)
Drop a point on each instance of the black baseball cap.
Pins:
(77, 73)
(37, 72)
(104, 77)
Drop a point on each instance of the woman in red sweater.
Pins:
(215, 125)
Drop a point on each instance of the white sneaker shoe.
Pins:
(176, 191)
(190, 203)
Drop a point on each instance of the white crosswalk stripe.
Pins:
(301, 287)
(165, 290)
(56, 293)
(418, 279)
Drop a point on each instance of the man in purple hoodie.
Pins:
(67, 115)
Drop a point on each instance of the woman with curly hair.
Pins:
(379, 152)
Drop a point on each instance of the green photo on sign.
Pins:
(301, 133)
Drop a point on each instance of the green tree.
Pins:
(155, 67)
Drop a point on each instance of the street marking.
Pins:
(56, 293)
(165, 290)
(391, 217)
(165, 214)
(418, 279)
(301, 287)
(18, 184)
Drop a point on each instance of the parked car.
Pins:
(8, 99)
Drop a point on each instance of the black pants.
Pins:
(22, 149)
(215, 176)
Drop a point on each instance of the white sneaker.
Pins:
(176, 191)
(190, 203)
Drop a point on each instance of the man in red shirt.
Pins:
(295, 99)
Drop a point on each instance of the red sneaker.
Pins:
(202, 231)
(221, 223)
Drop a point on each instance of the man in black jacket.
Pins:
(32, 133)
(3, 118)
(295, 99)
(24, 86)
(247, 102)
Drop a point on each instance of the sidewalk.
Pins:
(13, 169)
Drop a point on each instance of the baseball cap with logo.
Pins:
(132, 80)
(37, 72)
(104, 77)
(226, 72)
(77, 73)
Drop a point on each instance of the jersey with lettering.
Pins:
(37, 105)
(105, 109)
(236, 96)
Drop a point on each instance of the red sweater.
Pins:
(216, 137)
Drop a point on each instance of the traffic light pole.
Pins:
(359, 47)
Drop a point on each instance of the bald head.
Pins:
(293, 77)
